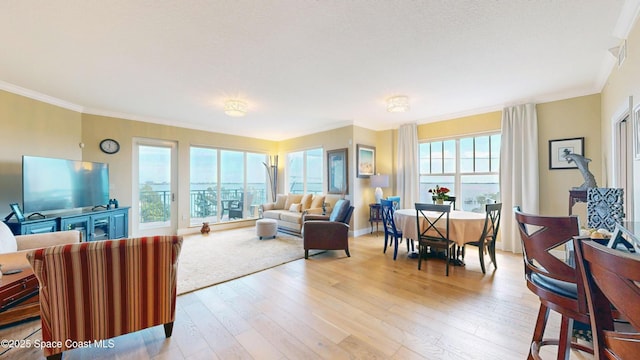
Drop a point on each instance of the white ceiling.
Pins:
(304, 66)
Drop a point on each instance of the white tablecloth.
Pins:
(464, 226)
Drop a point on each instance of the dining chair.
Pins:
(434, 235)
(611, 279)
(557, 284)
(451, 200)
(396, 201)
(391, 232)
(487, 241)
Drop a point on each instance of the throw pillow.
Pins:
(295, 207)
(306, 201)
(317, 202)
(281, 199)
(292, 199)
(8, 242)
(340, 210)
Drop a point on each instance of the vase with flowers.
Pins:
(440, 194)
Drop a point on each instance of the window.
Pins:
(225, 184)
(469, 166)
(304, 172)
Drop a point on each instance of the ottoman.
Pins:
(266, 228)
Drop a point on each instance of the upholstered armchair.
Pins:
(328, 232)
(98, 290)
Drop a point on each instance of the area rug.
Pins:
(224, 255)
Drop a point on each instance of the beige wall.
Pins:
(571, 118)
(328, 140)
(31, 127)
(460, 126)
(577, 117)
(95, 128)
(622, 83)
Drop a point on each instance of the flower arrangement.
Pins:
(440, 192)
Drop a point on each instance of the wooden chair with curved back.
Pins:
(611, 279)
(556, 283)
(487, 240)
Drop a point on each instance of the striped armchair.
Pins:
(99, 290)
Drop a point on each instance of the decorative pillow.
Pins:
(317, 202)
(295, 207)
(306, 201)
(340, 210)
(8, 242)
(292, 199)
(281, 199)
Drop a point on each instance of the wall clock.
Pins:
(109, 146)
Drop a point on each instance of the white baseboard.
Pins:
(218, 226)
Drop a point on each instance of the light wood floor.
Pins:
(333, 307)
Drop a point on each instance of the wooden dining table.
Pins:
(464, 226)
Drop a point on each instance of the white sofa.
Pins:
(290, 209)
(13, 249)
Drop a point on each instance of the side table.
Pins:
(19, 297)
(576, 196)
(375, 215)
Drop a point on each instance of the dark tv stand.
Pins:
(93, 224)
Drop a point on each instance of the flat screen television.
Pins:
(56, 184)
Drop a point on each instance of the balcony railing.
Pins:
(155, 206)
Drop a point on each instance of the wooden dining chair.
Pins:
(487, 241)
(557, 284)
(391, 232)
(611, 279)
(434, 235)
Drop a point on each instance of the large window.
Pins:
(225, 184)
(469, 166)
(304, 172)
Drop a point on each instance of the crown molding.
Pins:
(15, 89)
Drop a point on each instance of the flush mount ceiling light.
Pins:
(398, 104)
(235, 108)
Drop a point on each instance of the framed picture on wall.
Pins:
(561, 147)
(366, 160)
(337, 171)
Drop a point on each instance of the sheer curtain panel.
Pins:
(519, 181)
(408, 178)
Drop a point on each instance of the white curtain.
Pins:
(518, 170)
(408, 178)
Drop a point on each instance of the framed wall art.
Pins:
(366, 160)
(561, 147)
(337, 171)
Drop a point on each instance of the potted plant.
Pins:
(440, 194)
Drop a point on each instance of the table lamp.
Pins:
(379, 181)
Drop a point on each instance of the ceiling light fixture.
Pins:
(235, 108)
(398, 104)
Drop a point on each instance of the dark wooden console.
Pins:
(94, 225)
